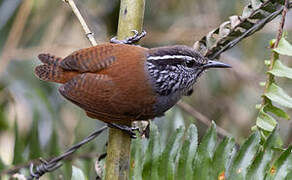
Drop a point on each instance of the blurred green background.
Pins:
(36, 121)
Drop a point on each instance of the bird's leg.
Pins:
(127, 129)
(129, 40)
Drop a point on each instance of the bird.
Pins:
(120, 82)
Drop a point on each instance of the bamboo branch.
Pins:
(118, 150)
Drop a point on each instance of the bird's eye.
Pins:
(190, 63)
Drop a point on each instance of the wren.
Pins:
(119, 83)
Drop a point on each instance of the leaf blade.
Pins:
(284, 47)
(282, 167)
(277, 94)
(281, 70)
(222, 156)
(261, 164)
(167, 159)
(136, 160)
(265, 121)
(277, 111)
(203, 159)
(245, 157)
(151, 161)
(189, 148)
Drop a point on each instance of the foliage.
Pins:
(254, 16)
(52, 28)
(273, 92)
(185, 158)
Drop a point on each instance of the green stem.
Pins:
(270, 77)
(275, 56)
(119, 144)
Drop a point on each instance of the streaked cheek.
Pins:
(199, 72)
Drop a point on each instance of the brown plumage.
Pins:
(121, 83)
(104, 81)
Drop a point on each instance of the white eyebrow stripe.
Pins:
(189, 58)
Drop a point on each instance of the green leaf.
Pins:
(187, 154)
(77, 174)
(67, 170)
(88, 168)
(53, 144)
(261, 164)
(33, 139)
(2, 165)
(289, 176)
(136, 161)
(167, 159)
(277, 111)
(265, 121)
(203, 159)
(18, 146)
(151, 162)
(3, 117)
(222, 157)
(284, 47)
(282, 167)
(275, 93)
(281, 70)
(244, 157)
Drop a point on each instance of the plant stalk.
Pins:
(275, 56)
(119, 144)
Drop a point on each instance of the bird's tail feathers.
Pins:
(51, 70)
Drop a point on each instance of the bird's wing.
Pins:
(94, 92)
(92, 59)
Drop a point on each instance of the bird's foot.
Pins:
(130, 40)
(130, 130)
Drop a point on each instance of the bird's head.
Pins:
(176, 68)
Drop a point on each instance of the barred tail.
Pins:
(51, 70)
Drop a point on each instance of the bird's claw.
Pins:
(130, 40)
(130, 130)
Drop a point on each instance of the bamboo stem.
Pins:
(119, 144)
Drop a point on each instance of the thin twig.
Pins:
(281, 25)
(16, 168)
(53, 164)
(77, 13)
(200, 117)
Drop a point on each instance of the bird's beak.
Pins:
(215, 64)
